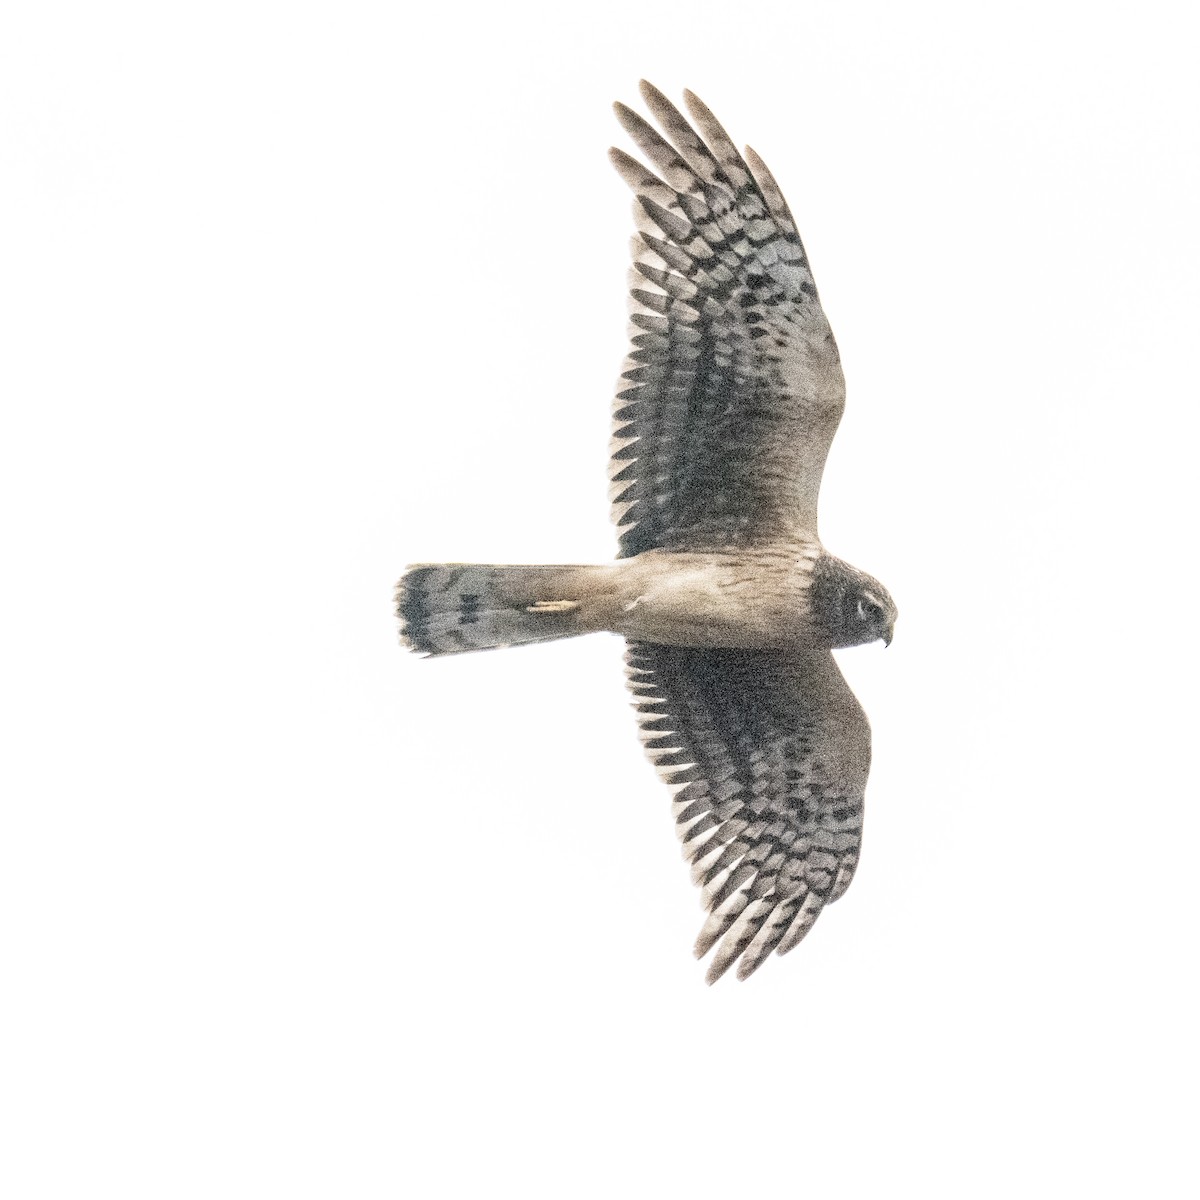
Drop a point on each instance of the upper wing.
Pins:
(770, 752)
(733, 389)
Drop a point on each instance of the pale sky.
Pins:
(296, 294)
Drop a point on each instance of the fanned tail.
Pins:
(453, 608)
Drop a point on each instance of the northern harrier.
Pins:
(723, 417)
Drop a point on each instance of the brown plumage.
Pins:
(727, 405)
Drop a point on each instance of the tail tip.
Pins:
(413, 610)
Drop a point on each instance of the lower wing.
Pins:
(769, 751)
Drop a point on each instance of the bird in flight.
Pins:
(729, 603)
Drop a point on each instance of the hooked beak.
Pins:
(889, 633)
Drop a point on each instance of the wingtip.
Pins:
(698, 109)
(746, 969)
(716, 970)
(701, 947)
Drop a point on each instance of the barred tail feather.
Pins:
(452, 608)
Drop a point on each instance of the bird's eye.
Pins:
(869, 611)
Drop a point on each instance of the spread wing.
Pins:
(769, 751)
(733, 389)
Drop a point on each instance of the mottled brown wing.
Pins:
(769, 751)
(732, 390)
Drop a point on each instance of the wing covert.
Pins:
(733, 389)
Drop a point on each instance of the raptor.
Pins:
(730, 605)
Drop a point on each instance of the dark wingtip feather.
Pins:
(673, 226)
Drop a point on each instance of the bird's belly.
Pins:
(710, 604)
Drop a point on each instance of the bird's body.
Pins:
(752, 598)
(731, 606)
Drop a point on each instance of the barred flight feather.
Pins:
(770, 813)
(740, 394)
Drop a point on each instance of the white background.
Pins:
(295, 294)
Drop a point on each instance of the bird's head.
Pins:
(850, 606)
